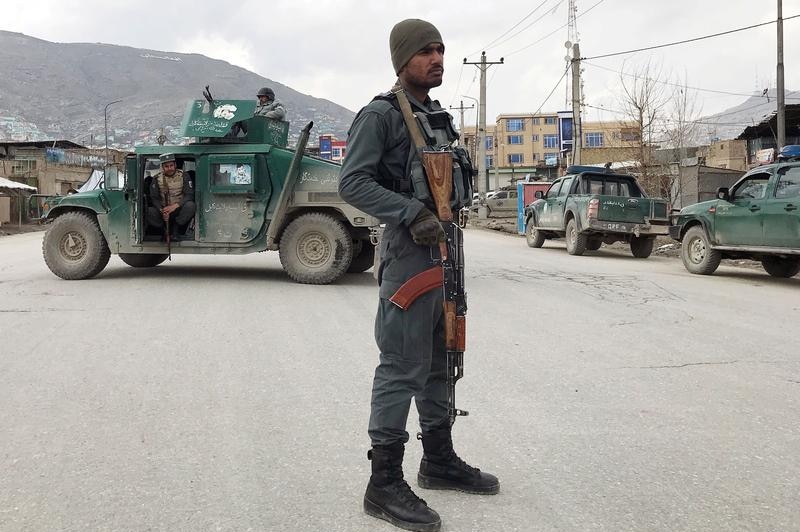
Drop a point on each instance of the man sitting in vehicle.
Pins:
(267, 105)
(172, 196)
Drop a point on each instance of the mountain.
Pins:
(730, 123)
(58, 91)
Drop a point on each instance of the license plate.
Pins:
(614, 226)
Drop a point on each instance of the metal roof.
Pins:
(68, 144)
(7, 183)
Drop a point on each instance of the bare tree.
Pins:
(681, 132)
(643, 100)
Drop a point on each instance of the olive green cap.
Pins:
(409, 37)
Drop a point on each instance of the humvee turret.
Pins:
(252, 193)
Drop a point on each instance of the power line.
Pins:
(685, 40)
(523, 19)
(552, 91)
(554, 31)
(549, 11)
(701, 121)
(458, 84)
(621, 72)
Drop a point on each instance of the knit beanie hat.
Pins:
(409, 37)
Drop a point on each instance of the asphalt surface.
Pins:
(211, 393)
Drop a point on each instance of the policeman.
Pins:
(382, 176)
(172, 195)
(267, 106)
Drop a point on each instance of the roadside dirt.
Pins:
(664, 246)
(14, 229)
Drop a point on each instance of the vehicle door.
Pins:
(782, 210)
(561, 202)
(497, 202)
(739, 221)
(234, 192)
(549, 204)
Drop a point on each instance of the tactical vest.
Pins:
(171, 187)
(439, 133)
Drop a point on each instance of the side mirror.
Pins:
(723, 193)
(538, 194)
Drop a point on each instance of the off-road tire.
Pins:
(642, 246)
(363, 256)
(696, 252)
(593, 244)
(533, 236)
(74, 247)
(143, 260)
(576, 241)
(316, 248)
(781, 267)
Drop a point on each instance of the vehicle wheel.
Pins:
(142, 260)
(576, 242)
(363, 256)
(74, 247)
(593, 244)
(697, 254)
(781, 267)
(533, 236)
(642, 246)
(316, 248)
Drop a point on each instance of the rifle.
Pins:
(449, 274)
(165, 202)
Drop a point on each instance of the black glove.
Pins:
(426, 230)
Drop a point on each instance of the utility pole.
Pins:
(781, 101)
(577, 134)
(461, 109)
(483, 176)
(105, 129)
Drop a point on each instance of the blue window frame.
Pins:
(516, 158)
(535, 121)
(550, 141)
(515, 139)
(535, 138)
(550, 120)
(594, 140)
(515, 124)
(489, 142)
(490, 161)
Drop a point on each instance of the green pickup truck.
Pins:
(591, 206)
(757, 218)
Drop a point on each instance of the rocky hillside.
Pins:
(55, 90)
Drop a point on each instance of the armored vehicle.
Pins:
(252, 193)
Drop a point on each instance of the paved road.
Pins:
(607, 393)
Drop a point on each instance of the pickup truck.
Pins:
(591, 206)
(757, 218)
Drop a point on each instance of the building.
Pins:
(331, 148)
(760, 138)
(730, 154)
(696, 183)
(611, 141)
(52, 166)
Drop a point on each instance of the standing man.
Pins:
(382, 175)
(267, 106)
(172, 195)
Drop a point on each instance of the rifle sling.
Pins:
(420, 284)
(408, 115)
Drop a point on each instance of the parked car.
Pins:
(758, 218)
(502, 203)
(591, 206)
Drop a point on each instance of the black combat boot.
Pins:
(389, 497)
(442, 469)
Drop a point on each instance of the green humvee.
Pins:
(282, 200)
(756, 219)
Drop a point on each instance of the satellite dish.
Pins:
(567, 58)
(567, 45)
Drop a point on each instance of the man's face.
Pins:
(263, 100)
(168, 168)
(240, 171)
(426, 68)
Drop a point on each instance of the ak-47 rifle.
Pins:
(449, 273)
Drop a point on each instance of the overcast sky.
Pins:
(339, 49)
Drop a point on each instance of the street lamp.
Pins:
(105, 127)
